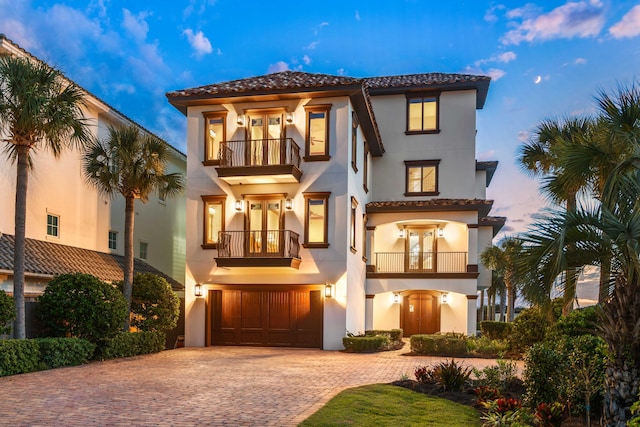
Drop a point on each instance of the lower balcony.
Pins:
(421, 265)
(258, 248)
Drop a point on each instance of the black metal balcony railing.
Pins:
(259, 152)
(421, 262)
(265, 243)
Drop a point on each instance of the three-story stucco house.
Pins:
(319, 205)
(71, 227)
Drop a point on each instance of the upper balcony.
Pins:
(259, 161)
(258, 248)
(416, 264)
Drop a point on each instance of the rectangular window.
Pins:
(354, 207)
(214, 135)
(365, 168)
(422, 114)
(316, 220)
(317, 139)
(113, 240)
(422, 177)
(144, 246)
(364, 237)
(53, 225)
(213, 220)
(354, 140)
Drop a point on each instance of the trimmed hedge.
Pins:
(363, 344)
(127, 344)
(393, 334)
(438, 345)
(495, 330)
(21, 356)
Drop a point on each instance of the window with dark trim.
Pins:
(215, 132)
(364, 237)
(354, 140)
(53, 225)
(421, 177)
(316, 220)
(113, 240)
(213, 209)
(365, 168)
(143, 250)
(423, 114)
(317, 137)
(352, 231)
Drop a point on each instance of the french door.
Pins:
(265, 225)
(420, 250)
(266, 135)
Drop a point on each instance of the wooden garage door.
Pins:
(266, 317)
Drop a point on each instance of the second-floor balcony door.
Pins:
(266, 134)
(420, 252)
(265, 224)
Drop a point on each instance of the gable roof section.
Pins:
(47, 258)
(497, 222)
(430, 81)
(488, 166)
(482, 206)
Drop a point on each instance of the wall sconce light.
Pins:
(440, 232)
(445, 298)
(239, 205)
(197, 290)
(328, 290)
(240, 119)
(401, 233)
(289, 117)
(288, 204)
(396, 299)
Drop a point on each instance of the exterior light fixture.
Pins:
(240, 119)
(197, 290)
(445, 298)
(401, 233)
(288, 204)
(239, 205)
(328, 290)
(396, 299)
(440, 232)
(289, 117)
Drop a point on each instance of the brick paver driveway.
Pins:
(215, 386)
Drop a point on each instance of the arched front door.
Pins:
(420, 313)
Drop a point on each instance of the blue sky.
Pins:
(548, 59)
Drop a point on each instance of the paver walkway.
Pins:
(214, 386)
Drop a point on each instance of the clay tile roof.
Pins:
(49, 258)
(497, 222)
(281, 81)
(482, 206)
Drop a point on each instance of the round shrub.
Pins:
(544, 367)
(7, 312)
(82, 306)
(154, 305)
(527, 329)
(582, 321)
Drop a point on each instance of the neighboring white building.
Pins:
(320, 205)
(63, 210)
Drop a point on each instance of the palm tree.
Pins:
(543, 156)
(131, 163)
(39, 109)
(502, 259)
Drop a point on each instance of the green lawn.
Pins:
(388, 405)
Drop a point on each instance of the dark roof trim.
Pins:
(362, 105)
(497, 222)
(488, 166)
(483, 207)
(51, 259)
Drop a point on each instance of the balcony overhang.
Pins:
(249, 262)
(422, 275)
(270, 174)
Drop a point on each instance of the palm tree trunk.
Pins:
(481, 305)
(22, 176)
(127, 287)
(571, 282)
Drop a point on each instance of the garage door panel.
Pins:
(266, 317)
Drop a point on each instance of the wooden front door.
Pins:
(420, 314)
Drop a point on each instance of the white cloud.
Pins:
(123, 87)
(573, 19)
(357, 15)
(491, 15)
(486, 155)
(504, 57)
(340, 71)
(523, 135)
(277, 67)
(199, 43)
(135, 25)
(306, 59)
(580, 61)
(19, 33)
(496, 74)
(312, 45)
(629, 25)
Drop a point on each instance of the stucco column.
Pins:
(370, 242)
(472, 244)
(368, 313)
(471, 314)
